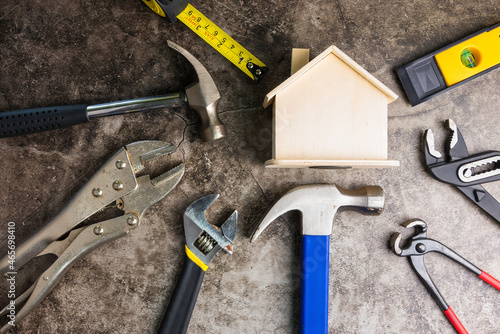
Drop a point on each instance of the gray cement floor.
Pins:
(68, 52)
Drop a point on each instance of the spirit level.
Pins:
(451, 66)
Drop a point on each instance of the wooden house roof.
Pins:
(391, 96)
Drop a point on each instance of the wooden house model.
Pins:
(331, 113)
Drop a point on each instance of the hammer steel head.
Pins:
(204, 239)
(203, 96)
(319, 203)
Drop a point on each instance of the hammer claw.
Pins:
(203, 97)
(319, 203)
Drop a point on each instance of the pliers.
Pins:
(115, 184)
(466, 172)
(418, 246)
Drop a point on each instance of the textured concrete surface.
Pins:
(68, 52)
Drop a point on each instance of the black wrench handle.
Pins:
(27, 121)
(180, 308)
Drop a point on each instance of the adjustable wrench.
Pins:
(203, 242)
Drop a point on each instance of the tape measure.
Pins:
(452, 65)
(212, 34)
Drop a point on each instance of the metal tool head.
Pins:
(203, 96)
(204, 239)
(141, 152)
(149, 191)
(420, 233)
(319, 203)
(432, 156)
(455, 145)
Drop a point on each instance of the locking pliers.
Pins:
(466, 172)
(114, 185)
(417, 247)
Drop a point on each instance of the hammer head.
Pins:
(319, 203)
(203, 97)
(204, 239)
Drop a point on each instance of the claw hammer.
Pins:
(318, 205)
(202, 96)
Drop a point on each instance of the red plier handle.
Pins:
(452, 317)
(420, 245)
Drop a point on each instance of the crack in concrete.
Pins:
(342, 16)
(182, 191)
(245, 18)
(257, 182)
(34, 150)
(423, 112)
(185, 127)
(10, 11)
(238, 109)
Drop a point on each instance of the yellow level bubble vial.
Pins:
(468, 58)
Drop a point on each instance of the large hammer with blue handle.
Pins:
(318, 205)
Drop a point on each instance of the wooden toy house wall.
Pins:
(331, 113)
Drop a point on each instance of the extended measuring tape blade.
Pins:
(212, 34)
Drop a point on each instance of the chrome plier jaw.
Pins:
(465, 172)
(116, 182)
(417, 247)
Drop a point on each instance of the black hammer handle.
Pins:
(180, 308)
(22, 122)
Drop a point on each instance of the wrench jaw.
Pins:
(143, 151)
(420, 232)
(432, 156)
(150, 191)
(419, 225)
(395, 243)
(204, 239)
(455, 144)
(229, 231)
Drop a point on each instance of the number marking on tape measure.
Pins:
(223, 43)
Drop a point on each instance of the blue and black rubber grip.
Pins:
(180, 308)
(27, 121)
